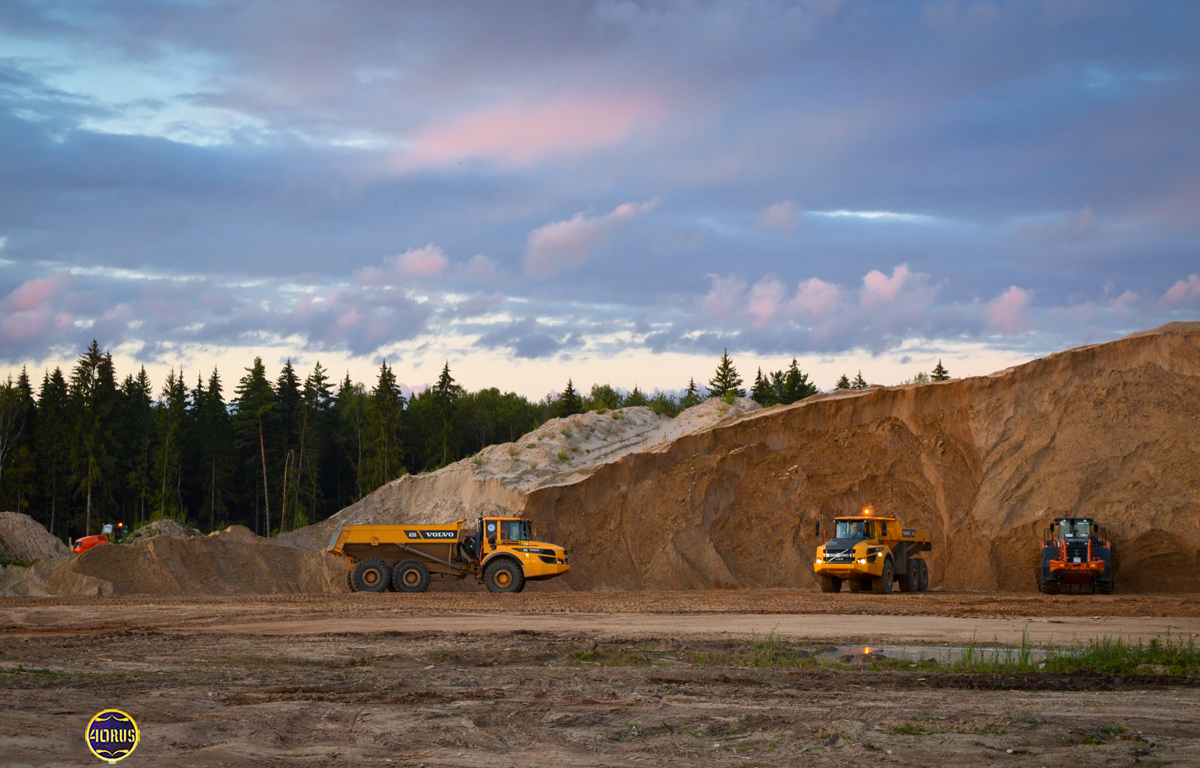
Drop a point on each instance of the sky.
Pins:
(612, 191)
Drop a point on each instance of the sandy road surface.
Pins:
(794, 613)
(628, 679)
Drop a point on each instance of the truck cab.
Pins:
(871, 551)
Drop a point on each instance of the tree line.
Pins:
(274, 453)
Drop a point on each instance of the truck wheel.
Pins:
(883, 585)
(1104, 587)
(909, 581)
(504, 576)
(924, 575)
(829, 583)
(855, 585)
(370, 576)
(350, 579)
(410, 576)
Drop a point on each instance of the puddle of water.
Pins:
(862, 654)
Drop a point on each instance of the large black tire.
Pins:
(924, 575)
(410, 576)
(350, 579)
(504, 575)
(857, 586)
(1104, 587)
(469, 548)
(829, 583)
(883, 584)
(909, 581)
(370, 575)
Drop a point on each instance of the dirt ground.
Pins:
(662, 678)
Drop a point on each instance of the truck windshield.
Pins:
(855, 529)
(1074, 529)
(516, 530)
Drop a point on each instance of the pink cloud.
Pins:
(564, 245)
(519, 132)
(877, 287)
(1182, 291)
(1006, 313)
(1126, 301)
(781, 217)
(765, 297)
(724, 299)
(36, 292)
(428, 261)
(481, 269)
(815, 299)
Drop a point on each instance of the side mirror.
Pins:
(818, 531)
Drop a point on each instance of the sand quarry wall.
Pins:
(1110, 431)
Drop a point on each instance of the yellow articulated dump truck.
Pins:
(501, 553)
(872, 552)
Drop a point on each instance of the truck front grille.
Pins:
(844, 556)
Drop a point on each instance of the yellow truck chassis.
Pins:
(870, 552)
(501, 554)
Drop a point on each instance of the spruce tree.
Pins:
(859, 382)
(445, 395)
(170, 413)
(350, 408)
(255, 407)
(635, 397)
(691, 396)
(762, 392)
(726, 380)
(843, 382)
(569, 402)
(52, 435)
(93, 396)
(796, 384)
(940, 373)
(383, 452)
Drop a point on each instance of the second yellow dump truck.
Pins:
(872, 552)
(501, 552)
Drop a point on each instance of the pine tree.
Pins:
(255, 406)
(350, 411)
(22, 475)
(859, 382)
(52, 435)
(796, 385)
(691, 396)
(635, 398)
(762, 392)
(12, 423)
(315, 438)
(93, 396)
(726, 380)
(940, 373)
(214, 433)
(569, 402)
(170, 414)
(445, 395)
(137, 436)
(383, 453)
(843, 382)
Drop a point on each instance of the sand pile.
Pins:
(498, 478)
(169, 528)
(24, 539)
(1110, 431)
(205, 565)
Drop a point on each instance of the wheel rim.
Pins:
(371, 577)
(412, 578)
(503, 578)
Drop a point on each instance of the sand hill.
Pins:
(728, 495)
(1110, 430)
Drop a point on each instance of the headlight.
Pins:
(861, 561)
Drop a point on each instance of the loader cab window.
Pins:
(1076, 529)
(855, 529)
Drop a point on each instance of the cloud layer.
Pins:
(578, 179)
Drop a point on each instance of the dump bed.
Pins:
(397, 542)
